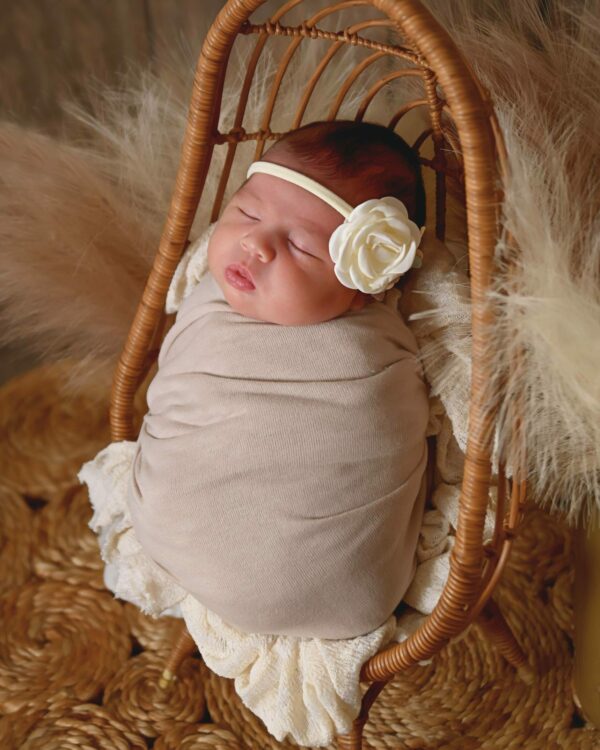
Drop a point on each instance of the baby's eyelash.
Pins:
(247, 214)
(300, 250)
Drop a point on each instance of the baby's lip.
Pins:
(242, 270)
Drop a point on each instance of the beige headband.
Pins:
(290, 175)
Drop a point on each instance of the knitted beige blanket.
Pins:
(277, 470)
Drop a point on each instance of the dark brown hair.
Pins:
(358, 161)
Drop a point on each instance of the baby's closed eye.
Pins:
(299, 249)
(250, 216)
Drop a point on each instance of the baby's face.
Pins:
(280, 233)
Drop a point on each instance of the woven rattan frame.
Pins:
(475, 144)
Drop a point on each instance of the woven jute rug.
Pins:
(79, 668)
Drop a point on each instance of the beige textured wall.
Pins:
(52, 49)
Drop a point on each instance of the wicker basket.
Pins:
(467, 154)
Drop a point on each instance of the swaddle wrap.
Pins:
(307, 689)
(277, 470)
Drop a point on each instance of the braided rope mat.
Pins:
(79, 668)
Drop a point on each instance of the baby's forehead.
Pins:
(290, 201)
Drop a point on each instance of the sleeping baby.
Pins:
(278, 475)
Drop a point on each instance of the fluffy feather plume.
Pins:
(66, 233)
(544, 76)
(80, 226)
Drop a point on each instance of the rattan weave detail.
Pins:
(548, 545)
(65, 548)
(32, 462)
(17, 726)
(135, 696)
(58, 637)
(561, 601)
(198, 737)
(152, 633)
(16, 535)
(82, 726)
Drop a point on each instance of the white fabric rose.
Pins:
(375, 245)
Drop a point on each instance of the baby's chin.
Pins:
(278, 318)
(241, 303)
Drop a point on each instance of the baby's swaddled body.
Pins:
(278, 469)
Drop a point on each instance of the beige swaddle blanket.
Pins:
(307, 689)
(277, 470)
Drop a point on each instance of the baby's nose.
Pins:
(259, 246)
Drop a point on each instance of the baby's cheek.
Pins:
(320, 302)
(214, 243)
(284, 302)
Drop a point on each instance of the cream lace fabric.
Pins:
(306, 689)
